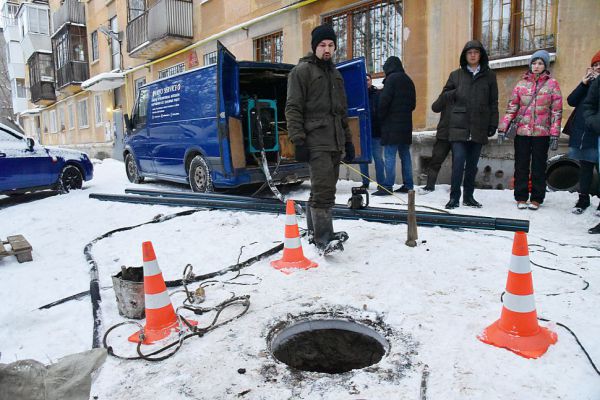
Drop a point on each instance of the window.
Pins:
(20, 88)
(138, 83)
(115, 46)
(9, 14)
(41, 68)
(372, 30)
(94, 39)
(515, 27)
(53, 124)
(269, 48)
(61, 119)
(38, 20)
(210, 58)
(82, 113)
(135, 8)
(46, 122)
(71, 116)
(172, 70)
(98, 109)
(139, 119)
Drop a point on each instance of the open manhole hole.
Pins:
(329, 346)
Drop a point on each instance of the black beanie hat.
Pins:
(320, 33)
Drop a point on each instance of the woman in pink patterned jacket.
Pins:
(536, 104)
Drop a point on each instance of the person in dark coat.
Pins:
(472, 91)
(583, 144)
(441, 147)
(591, 115)
(376, 149)
(396, 103)
(316, 111)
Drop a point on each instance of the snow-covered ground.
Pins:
(433, 300)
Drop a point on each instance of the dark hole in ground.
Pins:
(328, 346)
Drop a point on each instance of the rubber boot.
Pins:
(310, 232)
(324, 238)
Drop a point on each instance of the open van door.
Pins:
(359, 118)
(228, 100)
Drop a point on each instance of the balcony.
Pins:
(70, 12)
(42, 93)
(165, 27)
(70, 76)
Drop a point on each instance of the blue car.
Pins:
(26, 166)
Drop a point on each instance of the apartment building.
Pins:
(103, 50)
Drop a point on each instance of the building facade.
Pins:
(113, 47)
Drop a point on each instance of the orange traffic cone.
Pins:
(293, 256)
(517, 329)
(161, 319)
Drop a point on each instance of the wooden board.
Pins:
(236, 143)
(20, 248)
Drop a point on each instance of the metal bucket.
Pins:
(129, 289)
(562, 173)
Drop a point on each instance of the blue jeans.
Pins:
(376, 150)
(465, 156)
(403, 151)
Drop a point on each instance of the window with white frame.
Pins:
(98, 109)
(210, 58)
(172, 70)
(20, 88)
(9, 14)
(46, 120)
(38, 20)
(61, 119)
(115, 46)
(82, 113)
(53, 122)
(95, 50)
(71, 107)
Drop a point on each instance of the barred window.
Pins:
(172, 70)
(210, 58)
(516, 27)
(269, 48)
(372, 30)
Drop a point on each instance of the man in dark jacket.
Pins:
(472, 90)
(396, 103)
(441, 147)
(316, 113)
(591, 114)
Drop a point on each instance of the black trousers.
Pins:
(531, 155)
(440, 151)
(324, 167)
(586, 174)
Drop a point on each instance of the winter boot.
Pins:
(582, 203)
(324, 238)
(310, 232)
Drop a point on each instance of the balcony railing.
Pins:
(73, 72)
(166, 18)
(42, 91)
(70, 11)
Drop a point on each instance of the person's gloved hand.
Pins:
(501, 137)
(491, 131)
(302, 154)
(350, 153)
(554, 143)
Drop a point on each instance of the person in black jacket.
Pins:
(376, 149)
(472, 90)
(583, 143)
(396, 103)
(591, 115)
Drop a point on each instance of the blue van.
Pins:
(215, 126)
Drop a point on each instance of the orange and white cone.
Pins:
(293, 256)
(517, 329)
(161, 319)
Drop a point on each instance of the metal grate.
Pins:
(269, 48)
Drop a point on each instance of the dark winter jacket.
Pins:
(396, 104)
(591, 108)
(373, 106)
(579, 138)
(441, 105)
(474, 99)
(316, 107)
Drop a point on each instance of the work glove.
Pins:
(491, 132)
(302, 154)
(350, 153)
(501, 137)
(554, 143)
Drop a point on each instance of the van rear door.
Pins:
(228, 101)
(359, 117)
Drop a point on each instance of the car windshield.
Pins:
(6, 136)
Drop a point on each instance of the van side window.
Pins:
(142, 109)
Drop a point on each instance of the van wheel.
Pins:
(199, 175)
(131, 170)
(70, 179)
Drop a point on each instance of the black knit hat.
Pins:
(320, 33)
